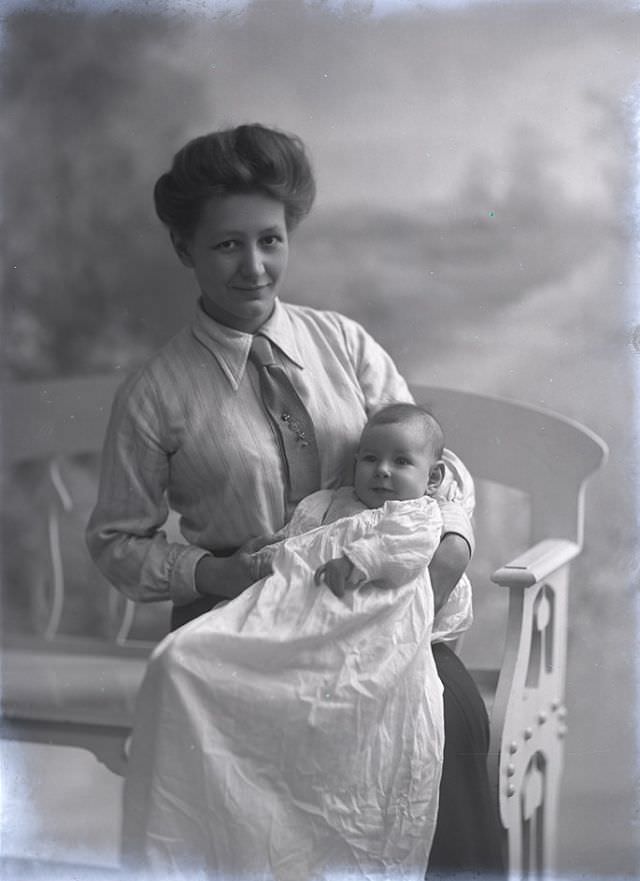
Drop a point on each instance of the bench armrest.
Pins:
(70, 686)
(74, 697)
(536, 563)
(528, 717)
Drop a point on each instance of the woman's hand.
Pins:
(256, 544)
(335, 573)
(262, 550)
(447, 566)
(228, 576)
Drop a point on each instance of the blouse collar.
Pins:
(231, 347)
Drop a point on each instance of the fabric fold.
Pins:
(290, 734)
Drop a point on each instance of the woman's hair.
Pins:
(247, 159)
(402, 412)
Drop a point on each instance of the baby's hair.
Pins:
(403, 412)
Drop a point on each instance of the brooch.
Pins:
(295, 426)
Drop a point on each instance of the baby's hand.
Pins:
(335, 573)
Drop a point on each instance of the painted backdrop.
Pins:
(476, 195)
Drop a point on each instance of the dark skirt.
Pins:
(468, 833)
(183, 614)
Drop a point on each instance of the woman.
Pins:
(232, 437)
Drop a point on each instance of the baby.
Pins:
(399, 458)
(321, 711)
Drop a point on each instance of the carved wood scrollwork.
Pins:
(534, 725)
(542, 637)
(50, 592)
(532, 804)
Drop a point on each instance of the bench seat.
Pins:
(81, 692)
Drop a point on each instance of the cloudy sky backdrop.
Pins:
(477, 169)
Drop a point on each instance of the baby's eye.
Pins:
(402, 460)
(367, 457)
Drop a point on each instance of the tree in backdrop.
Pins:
(83, 138)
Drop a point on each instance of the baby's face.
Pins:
(392, 462)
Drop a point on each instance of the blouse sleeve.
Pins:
(456, 497)
(378, 376)
(125, 535)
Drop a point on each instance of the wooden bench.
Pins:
(80, 691)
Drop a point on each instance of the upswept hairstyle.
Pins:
(403, 412)
(247, 159)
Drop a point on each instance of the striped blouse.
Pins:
(188, 432)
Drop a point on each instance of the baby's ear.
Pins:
(436, 476)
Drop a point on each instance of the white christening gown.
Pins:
(293, 735)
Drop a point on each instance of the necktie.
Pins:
(291, 421)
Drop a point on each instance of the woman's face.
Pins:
(239, 254)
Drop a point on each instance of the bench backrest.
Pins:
(518, 445)
(506, 442)
(58, 417)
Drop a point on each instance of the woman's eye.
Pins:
(227, 245)
(271, 241)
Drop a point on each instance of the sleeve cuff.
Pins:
(456, 521)
(182, 581)
(357, 577)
